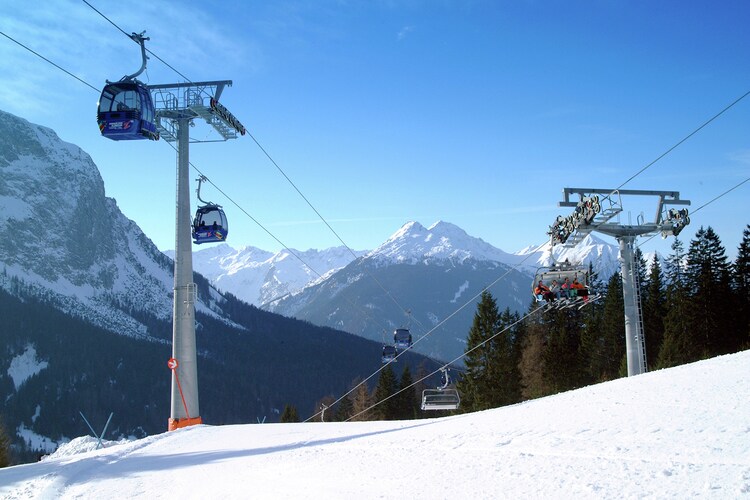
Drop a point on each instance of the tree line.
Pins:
(694, 305)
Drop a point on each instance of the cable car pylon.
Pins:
(177, 105)
(667, 221)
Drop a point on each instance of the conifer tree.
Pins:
(680, 344)
(593, 314)
(492, 378)
(654, 311)
(613, 331)
(344, 410)
(675, 265)
(741, 285)
(4, 447)
(289, 415)
(564, 368)
(475, 387)
(709, 281)
(407, 402)
(386, 404)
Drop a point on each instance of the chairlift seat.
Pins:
(440, 399)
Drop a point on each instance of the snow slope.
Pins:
(669, 434)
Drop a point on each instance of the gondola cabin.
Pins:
(210, 225)
(126, 112)
(389, 354)
(402, 338)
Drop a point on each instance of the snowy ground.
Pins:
(673, 433)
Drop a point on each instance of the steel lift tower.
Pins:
(177, 105)
(668, 222)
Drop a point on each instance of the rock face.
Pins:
(69, 242)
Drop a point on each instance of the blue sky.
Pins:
(473, 112)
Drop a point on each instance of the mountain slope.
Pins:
(677, 433)
(431, 272)
(86, 300)
(258, 276)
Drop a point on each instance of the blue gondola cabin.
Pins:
(210, 225)
(126, 112)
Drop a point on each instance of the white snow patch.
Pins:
(35, 441)
(460, 291)
(25, 365)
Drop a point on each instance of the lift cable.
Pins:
(477, 295)
(309, 203)
(693, 212)
(52, 63)
(292, 252)
(529, 314)
(465, 304)
(691, 134)
(502, 331)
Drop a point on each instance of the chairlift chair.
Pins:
(441, 398)
(559, 272)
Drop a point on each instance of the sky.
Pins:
(477, 113)
(677, 433)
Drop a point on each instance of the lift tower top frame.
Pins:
(176, 106)
(625, 234)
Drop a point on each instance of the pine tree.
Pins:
(386, 404)
(532, 365)
(344, 410)
(604, 342)
(4, 447)
(407, 402)
(289, 415)
(680, 344)
(654, 311)
(741, 286)
(675, 265)
(709, 278)
(492, 378)
(474, 387)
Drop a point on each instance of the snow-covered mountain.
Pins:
(591, 250)
(429, 271)
(433, 273)
(257, 276)
(71, 244)
(86, 301)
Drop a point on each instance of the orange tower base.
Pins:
(178, 423)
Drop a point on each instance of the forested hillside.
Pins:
(694, 307)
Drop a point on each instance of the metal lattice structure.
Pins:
(176, 106)
(667, 221)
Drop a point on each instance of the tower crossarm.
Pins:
(190, 100)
